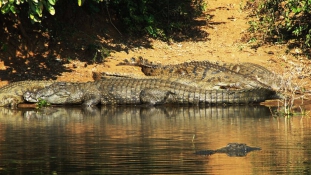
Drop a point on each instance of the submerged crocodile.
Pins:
(232, 150)
(127, 91)
(243, 75)
(12, 94)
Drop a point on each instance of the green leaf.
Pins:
(12, 8)
(49, 7)
(52, 2)
(31, 16)
(296, 10)
(51, 10)
(39, 9)
(80, 2)
(32, 7)
(34, 18)
(5, 9)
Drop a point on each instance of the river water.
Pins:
(151, 140)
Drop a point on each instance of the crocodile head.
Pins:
(237, 149)
(54, 94)
(66, 93)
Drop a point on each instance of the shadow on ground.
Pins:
(39, 51)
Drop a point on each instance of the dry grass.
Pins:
(293, 88)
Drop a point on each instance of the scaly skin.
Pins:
(126, 91)
(243, 75)
(12, 94)
(220, 80)
(232, 150)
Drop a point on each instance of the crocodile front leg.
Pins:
(91, 98)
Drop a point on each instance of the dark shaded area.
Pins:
(38, 51)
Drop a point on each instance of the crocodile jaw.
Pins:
(48, 95)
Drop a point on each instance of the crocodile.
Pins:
(242, 75)
(12, 94)
(232, 150)
(127, 91)
(211, 84)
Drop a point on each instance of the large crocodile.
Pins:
(232, 150)
(12, 94)
(142, 91)
(243, 75)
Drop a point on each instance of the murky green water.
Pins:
(133, 140)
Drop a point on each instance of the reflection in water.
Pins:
(149, 140)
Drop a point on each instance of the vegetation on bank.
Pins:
(277, 21)
(158, 19)
(283, 21)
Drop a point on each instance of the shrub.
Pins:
(35, 7)
(156, 18)
(284, 20)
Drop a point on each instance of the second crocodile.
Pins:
(245, 74)
(232, 150)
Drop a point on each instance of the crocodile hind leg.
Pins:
(147, 96)
(155, 96)
(91, 99)
(11, 101)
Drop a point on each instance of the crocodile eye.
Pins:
(27, 94)
(61, 84)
